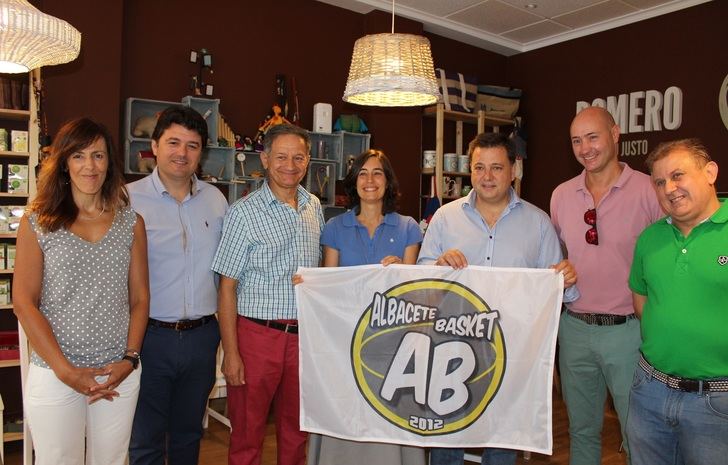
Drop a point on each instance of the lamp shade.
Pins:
(391, 70)
(30, 39)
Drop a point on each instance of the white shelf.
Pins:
(5, 153)
(8, 194)
(11, 437)
(10, 363)
(20, 115)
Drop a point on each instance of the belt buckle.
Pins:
(691, 385)
(179, 325)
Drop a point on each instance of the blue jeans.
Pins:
(670, 427)
(592, 360)
(179, 371)
(491, 456)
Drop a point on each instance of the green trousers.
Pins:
(593, 359)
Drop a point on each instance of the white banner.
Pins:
(428, 355)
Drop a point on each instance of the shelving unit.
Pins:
(330, 151)
(338, 146)
(25, 120)
(438, 112)
(321, 180)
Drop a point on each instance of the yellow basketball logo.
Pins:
(429, 355)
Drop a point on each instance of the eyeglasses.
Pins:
(590, 218)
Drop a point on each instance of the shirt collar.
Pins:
(159, 186)
(721, 215)
(627, 173)
(513, 200)
(718, 217)
(349, 218)
(270, 199)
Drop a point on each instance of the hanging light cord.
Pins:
(392, 16)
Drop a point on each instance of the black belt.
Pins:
(285, 327)
(684, 384)
(181, 325)
(601, 319)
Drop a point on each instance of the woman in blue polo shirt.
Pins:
(370, 232)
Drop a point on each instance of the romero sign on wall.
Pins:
(429, 356)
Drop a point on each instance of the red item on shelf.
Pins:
(9, 354)
(9, 338)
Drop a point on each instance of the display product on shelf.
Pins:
(10, 256)
(10, 217)
(4, 291)
(17, 179)
(19, 141)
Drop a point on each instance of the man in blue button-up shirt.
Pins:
(492, 226)
(183, 218)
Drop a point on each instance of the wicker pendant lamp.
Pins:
(30, 39)
(392, 70)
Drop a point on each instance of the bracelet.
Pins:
(132, 352)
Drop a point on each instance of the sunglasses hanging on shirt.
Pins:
(590, 218)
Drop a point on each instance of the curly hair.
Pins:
(54, 203)
(391, 193)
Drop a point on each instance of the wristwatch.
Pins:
(134, 360)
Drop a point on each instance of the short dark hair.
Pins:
(391, 193)
(486, 140)
(693, 146)
(282, 130)
(184, 116)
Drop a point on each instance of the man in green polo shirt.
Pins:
(678, 412)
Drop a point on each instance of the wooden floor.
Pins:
(215, 443)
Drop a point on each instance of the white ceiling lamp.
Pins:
(392, 70)
(30, 38)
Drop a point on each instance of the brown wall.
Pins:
(684, 49)
(139, 48)
(90, 85)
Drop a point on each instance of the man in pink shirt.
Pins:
(598, 216)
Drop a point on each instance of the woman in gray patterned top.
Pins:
(81, 293)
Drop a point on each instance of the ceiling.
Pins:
(509, 27)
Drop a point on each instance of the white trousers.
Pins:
(60, 419)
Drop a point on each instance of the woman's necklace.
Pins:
(91, 218)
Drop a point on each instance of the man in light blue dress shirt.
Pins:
(266, 237)
(492, 226)
(183, 218)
